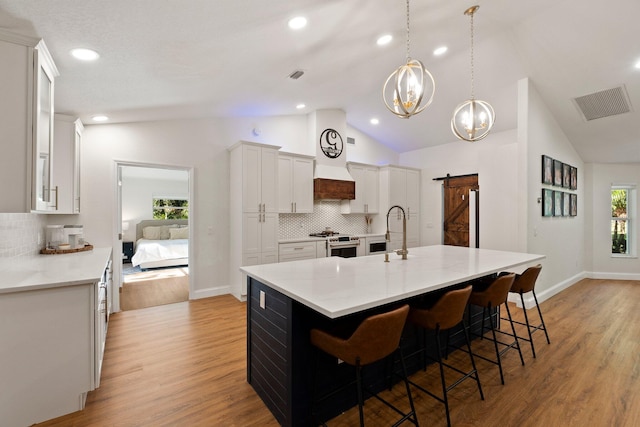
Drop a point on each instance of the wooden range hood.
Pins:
(333, 183)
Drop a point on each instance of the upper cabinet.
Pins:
(26, 123)
(259, 178)
(66, 174)
(295, 181)
(367, 190)
(400, 186)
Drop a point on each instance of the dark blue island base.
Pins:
(280, 357)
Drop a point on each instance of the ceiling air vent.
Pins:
(296, 74)
(605, 103)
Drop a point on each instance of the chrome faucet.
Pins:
(404, 252)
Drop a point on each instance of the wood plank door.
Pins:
(456, 209)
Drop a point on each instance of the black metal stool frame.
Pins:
(507, 346)
(360, 393)
(473, 374)
(531, 329)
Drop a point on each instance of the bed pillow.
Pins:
(179, 233)
(152, 233)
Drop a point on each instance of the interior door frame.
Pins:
(117, 225)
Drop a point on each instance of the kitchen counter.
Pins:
(337, 287)
(28, 273)
(303, 239)
(285, 301)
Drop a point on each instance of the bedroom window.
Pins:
(622, 198)
(170, 208)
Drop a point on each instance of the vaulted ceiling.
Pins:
(164, 59)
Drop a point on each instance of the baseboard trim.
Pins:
(613, 276)
(529, 302)
(211, 292)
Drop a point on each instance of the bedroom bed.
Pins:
(161, 243)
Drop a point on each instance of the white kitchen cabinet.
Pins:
(295, 180)
(401, 186)
(367, 190)
(52, 335)
(259, 178)
(295, 251)
(253, 203)
(26, 123)
(260, 232)
(66, 174)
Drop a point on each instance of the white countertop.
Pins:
(337, 286)
(28, 273)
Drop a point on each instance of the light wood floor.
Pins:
(154, 287)
(185, 365)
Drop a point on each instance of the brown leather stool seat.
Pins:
(524, 283)
(492, 297)
(445, 314)
(376, 338)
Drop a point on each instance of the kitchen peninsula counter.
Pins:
(285, 301)
(337, 287)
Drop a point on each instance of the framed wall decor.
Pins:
(574, 205)
(566, 175)
(547, 170)
(566, 204)
(557, 173)
(557, 203)
(574, 178)
(547, 202)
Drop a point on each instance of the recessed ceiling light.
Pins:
(85, 54)
(374, 121)
(297, 22)
(638, 64)
(300, 106)
(383, 40)
(100, 118)
(440, 50)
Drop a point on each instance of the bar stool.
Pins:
(522, 284)
(376, 338)
(444, 315)
(492, 297)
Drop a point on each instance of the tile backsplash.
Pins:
(21, 234)
(326, 213)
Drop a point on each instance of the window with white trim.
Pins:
(622, 221)
(170, 208)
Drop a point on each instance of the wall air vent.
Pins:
(609, 102)
(296, 74)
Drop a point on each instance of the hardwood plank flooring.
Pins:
(185, 365)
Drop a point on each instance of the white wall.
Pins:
(599, 261)
(199, 144)
(561, 239)
(138, 194)
(494, 159)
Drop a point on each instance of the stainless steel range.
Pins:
(342, 245)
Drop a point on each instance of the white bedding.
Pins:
(158, 250)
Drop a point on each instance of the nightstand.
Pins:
(127, 251)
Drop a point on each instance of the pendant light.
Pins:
(405, 90)
(473, 119)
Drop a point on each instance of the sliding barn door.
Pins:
(456, 208)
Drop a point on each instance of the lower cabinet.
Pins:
(51, 346)
(296, 251)
(48, 352)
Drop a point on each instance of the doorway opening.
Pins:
(153, 216)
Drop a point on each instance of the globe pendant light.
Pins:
(405, 90)
(473, 119)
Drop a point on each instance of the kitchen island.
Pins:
(286, 300)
